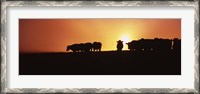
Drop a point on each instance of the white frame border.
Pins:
(97, 3)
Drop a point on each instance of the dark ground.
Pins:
(101, 63)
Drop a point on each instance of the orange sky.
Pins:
(53, 35)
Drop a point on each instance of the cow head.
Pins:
(68, 48)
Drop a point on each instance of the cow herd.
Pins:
(85, 47)
(157, 44)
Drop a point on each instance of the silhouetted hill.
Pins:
(101, 63)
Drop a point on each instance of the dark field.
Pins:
(101, 63)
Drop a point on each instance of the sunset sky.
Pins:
(53, 35)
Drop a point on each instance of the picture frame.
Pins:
(4, 42)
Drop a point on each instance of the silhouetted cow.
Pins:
(146, 44)
(96, 46)
(119, 45)
(142, 44)
(74, 48)
(133, 45)
(162, 44)
(87, 47)
(82, 47)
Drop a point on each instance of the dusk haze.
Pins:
(53, 35)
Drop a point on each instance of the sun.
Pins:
(125, 39)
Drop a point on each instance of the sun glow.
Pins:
(125, 39)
